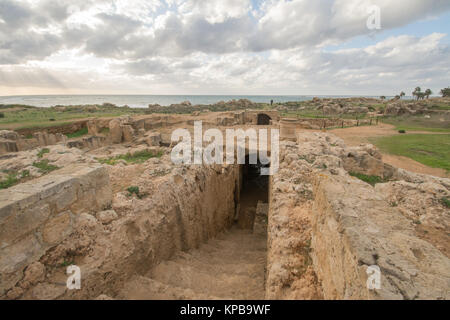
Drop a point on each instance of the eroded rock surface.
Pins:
(346, 225)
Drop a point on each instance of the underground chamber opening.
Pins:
(254, 195)
(263, 119)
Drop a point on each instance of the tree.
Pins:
(402, 94)
(428, 93)
(417, 93)
(445, 92)
(383, 98)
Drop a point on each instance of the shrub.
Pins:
(372, 180)
(2, 115)
(13, 178)
(10, 180)
(44, 167)
(137, 157)
(42, 152)
(445, 92)
(67, 263)
(446, 202)
(133, 190)
(77, 134)
(401, 131)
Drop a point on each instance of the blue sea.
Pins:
(142, 101)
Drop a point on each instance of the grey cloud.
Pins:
(109, 39)
(188, 49)
(282, 26)
(146, 66)
(33, 77)
(303, 23)
(27, 46)
(188, 64)
(14, 15)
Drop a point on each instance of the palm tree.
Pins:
(428, 93)
(402, 94)
(445, 92)
(417, 92)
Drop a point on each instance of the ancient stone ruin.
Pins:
(145, 228)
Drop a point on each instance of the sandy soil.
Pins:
(440, 238)
(413, 166)
(357, 135)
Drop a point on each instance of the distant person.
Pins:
(271, 102)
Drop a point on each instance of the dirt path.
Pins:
(357, 135)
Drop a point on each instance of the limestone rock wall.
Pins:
(290, 273)
(353, 228)
(11, 141)
(39, 214)
(184, 209)
(326, 228)
(180, 208)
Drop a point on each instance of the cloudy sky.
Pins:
(296, 47)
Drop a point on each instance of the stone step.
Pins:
(210, 282)
(225, 258)
(228, 254)
(244, 244)
(230, 266)
(206, 264)
(143, 288)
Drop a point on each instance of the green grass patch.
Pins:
(432, 150)
(104, 131)
(372, 180)
(436, 123)
(134, 190)
(42, 152)
(9, 181)
(378, 106)
(440, 107)
(137, 157)
(67, 263)
(13, 178)
(44, 166)
(318, 114)
(446, 202)
(77, 134)
(27, 117)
